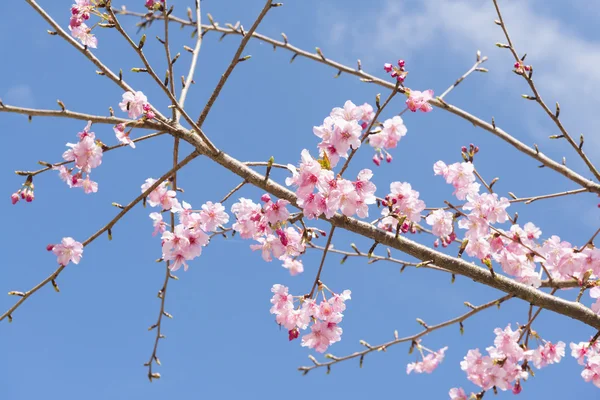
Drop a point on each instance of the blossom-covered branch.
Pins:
(397, 340)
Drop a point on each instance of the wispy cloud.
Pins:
(19, 95)
(566, 62)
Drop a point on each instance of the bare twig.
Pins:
(538, 98)
(480, 60)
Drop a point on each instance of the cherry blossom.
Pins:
(429, 363)
(68, 250)
(161, 196)
(123, 136)
(441, 221)
(134, 103)
(419, 100)
(212, 215)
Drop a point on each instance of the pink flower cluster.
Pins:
(266, 225)
(25, 193)
(80, 12)
(186, 240)
(87, 155)
(564, 261)
(325, 316)
(459, 175)
(68, 250)
(419, 100)
(588, 355)
(135, 104)
(332, 193)
(341, 130)
(402, 206)
(430, 362)
(396, 72)
(387, 137)
(501, 367)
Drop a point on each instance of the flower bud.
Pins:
(266, 198)
(387, 67)
(150, 115)
(50, 247)
(14, 198)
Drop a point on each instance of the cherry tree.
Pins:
(471, 234)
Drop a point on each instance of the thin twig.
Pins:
(429, 329)
(538, 98)
(105, 228)
(318, 276)
(480, 60)
(236, 59)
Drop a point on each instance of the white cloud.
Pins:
(20, 95)
(565, 62)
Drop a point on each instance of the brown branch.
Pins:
(234, 62)
(193, 63)
(232, 191)
(105, 228)
(170, 95)
(169, 61)
(97, 119)
(317, 281)
(538, 98)
(385, 346)
(419, 251)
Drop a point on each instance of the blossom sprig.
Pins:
(87, 155)
(268, 225)
(398, 72)
(588, 355)
(402, 209)
(26, 192)
(297, 313)
(68, 250)
(428, 362)
(508, 362)
(80, 13)
(185, 241)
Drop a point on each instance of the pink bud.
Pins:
(452, 237)
(387, 67)
(517, 64)
(74, 10)
(146, 107)
(527, 67)
(388, 158)
(85, 16)
(463, 149)
(14, 198)
(394, 200)
(400, 78)
(364, 125)
(150, 115)
(436, 243)
(50, 247)
(378, 163)
(517, 388)
(401, 63)
(29, 196)
(293, 334)
(266, 198)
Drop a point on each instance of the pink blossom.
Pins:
(350, 112)
(389, 136)
(441, 221)
(419, 100)
(160, 196)
(212, 215)
(429, 363)
(122, 136)
(183, 244)
(158, 224)
(67, 251)
(294, 266)
(457, 394)
(83, 33)
(323, 334)
(64, 174)
(133, 103)
(88, 185)
(277, 211)
(14, 198)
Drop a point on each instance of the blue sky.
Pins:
(91, 340)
